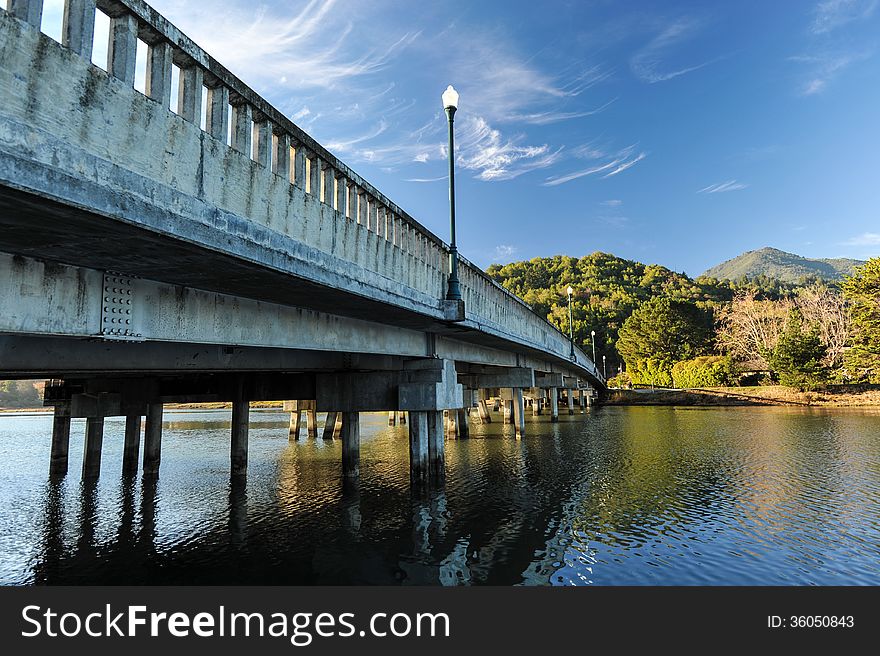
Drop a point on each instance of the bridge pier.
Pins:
(554, 404)
(402, 418)
(483, 407)
(132, 444)
(508, 410)
(330, 425)
(436, 442)
(312, 423)
(239, 446)
(60, 440)
(153, 439)
(351, 440)
(92, 446)
(419, 460)
(295, 420)
(519, 415)
(569, 394)
(464, 430)
(392, 418)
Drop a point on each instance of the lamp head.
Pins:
(450, 98)
(593, 333)
(570, 290)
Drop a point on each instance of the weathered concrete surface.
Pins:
(95, 175)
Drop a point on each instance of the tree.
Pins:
(750, 327)
(826, 309)
(862, 291)
(704, 371)
(797, 356)
(659, 333)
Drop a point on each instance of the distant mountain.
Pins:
(787, 267)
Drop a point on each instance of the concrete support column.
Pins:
(132, 444)
(508, 411)
(464, 430)
(153, 439)
(351, 441)
(582, 401)
(239, 451)
(496, 407)
(392, 418)
(158, 85)
(242, 119)
(418, 445)
(330, 425)
(262, 138)
(30, 11)
(60, 441)
(217, 119)
(536, 403)
(189, 94)
(281, 161)
(451, 422)
(78, 26)
(569, 393)
(483, 410)
(295, 422)
(401, 417)
(436, 441)
(519, 412)
(554, 404)
(122, 48)
(92, 446)
(312, 423)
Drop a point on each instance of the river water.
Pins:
(621, 495)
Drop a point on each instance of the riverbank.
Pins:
(837, 396)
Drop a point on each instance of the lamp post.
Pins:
(604, 375)
(450, 104)
(570, 324)
(593, 337)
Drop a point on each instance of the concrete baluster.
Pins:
(262, 138)
(299, 167)
(242, 119)
(189, 94)
(158, 83)
(217, 119)
(30, 11)
(122, 48)
(78, 26)
(281, 161)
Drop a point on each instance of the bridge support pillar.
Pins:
(508, 411)
(132, 444)
(312, 423)
(392, 418)
(295, 420)
(330, 425)
(569, 394)
(60, 440)
(483, 408)
(554, 404)
(496, 407)
(536, 402)
(436, 442)
(153, 439)
(418, 445)
(464, 430)
(519, 412)
(582, 400)
(402, 418)
(241, 411)
(351, 444)
(92, 446)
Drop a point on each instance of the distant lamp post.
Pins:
(593, 337)
(450, 104)
(604, 375)
(570, 324)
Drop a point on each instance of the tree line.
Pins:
(658, 327)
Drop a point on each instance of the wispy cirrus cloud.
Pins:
(864, 239)
(612, 203)
(831, 14)
(649, 65)
(823, 68)
(611, 166)
(721, 187)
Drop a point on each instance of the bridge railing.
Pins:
(271, 154)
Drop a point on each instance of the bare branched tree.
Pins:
(750, 327)
(826, 309)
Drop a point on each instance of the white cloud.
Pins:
(831, 14)
(648, 63)
(619, 163)
(824, 68)
(612, 203)
(505, 251)
(721, 187)
(864, 239)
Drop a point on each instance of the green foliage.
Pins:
(704, 371)
(659, 333)
(622, 379)
(19, 394)
(797, 356)
(862, 291)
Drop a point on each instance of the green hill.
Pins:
(788, 267)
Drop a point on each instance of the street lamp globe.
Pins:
(570, 290)
(450, 98)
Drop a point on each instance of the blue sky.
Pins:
(681, 133)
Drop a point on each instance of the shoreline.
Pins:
(842, 396)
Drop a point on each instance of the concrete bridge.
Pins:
(212, 250)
